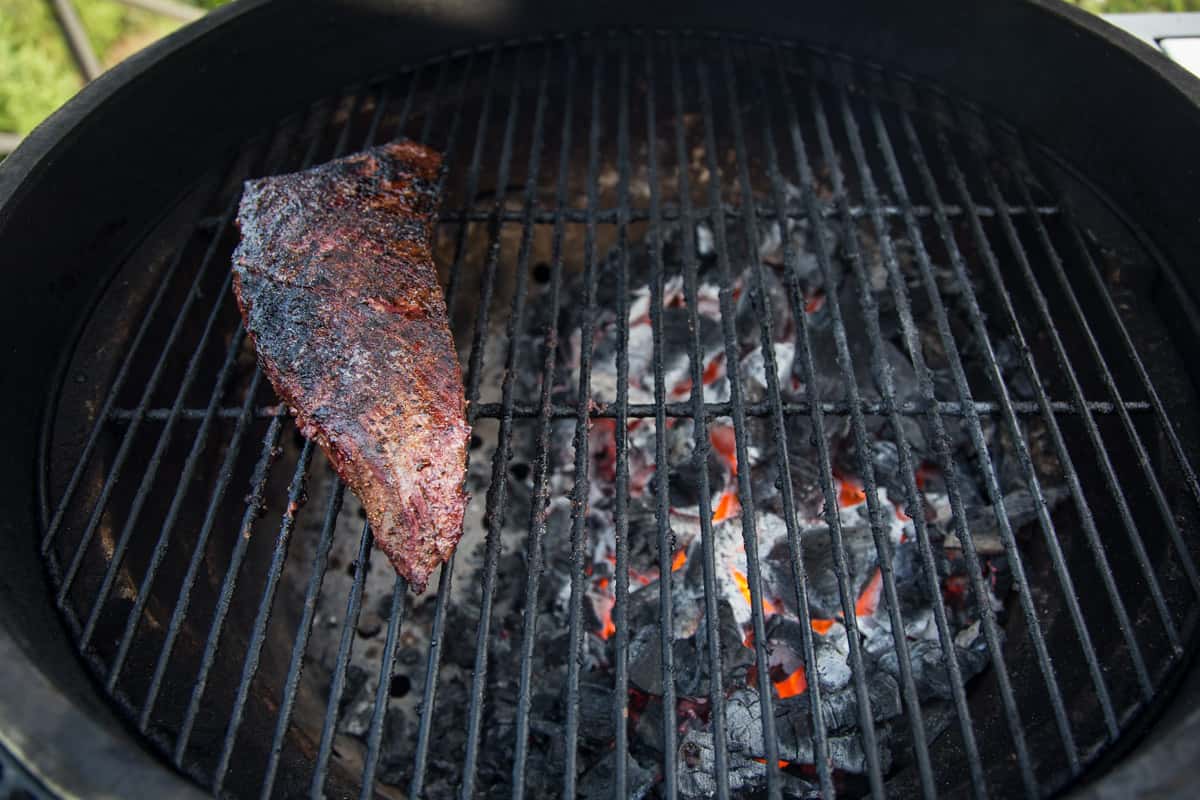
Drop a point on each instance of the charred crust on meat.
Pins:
(335, 279)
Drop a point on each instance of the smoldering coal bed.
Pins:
(936, 598)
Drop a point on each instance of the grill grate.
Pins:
(903, 164)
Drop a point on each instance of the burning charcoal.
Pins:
(691, 667)
(846, 753)
(754, 370)
(819, 561)
(743, 721)
(597, 782)
(395, 762)
(645, 660)
(832, 668)
(1020, 509)
(929, 668)
(595, 711)
(648, 727)
(356, 703)
(840, 709)
(696, 766)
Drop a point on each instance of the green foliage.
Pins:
(1135, 6)
(32, 79)
(37, 72)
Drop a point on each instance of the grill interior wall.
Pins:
(466, 102)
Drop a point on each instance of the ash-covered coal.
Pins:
(687, 472)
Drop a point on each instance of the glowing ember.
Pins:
(679, 560)
(724, 441)
(850, 493)
(604, 607)
(743, 586)
(822, 626)
(714, 369)
(814, 302)
(727, 507)
(868, 600)
(782, 764)
(792, 685)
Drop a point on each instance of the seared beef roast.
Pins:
(335, 279)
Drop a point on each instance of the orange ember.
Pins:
(713, 370)
(744, 587)
(727, 507)
(814, 302)
(850, 492)
(603, 604)
(924, 472)
(868, 600)
(782, 764)
(821, 626)
(724, 441)
(679, 560)
(792, 685)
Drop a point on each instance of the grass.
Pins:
(37, 73)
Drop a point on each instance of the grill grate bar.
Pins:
(541, 486)
(602, 410)
(741, 437)
(254, 508)
(114, 471)
(337, 683)
(662, 476)
(218, 391)
(997, 379)
(194, 563)
(320, 564)
(669, 212)
(770, 370)
(254, 651)
(433, 661)
(1164, 423)
(803, 348)
(702, 445)
(580, 491)
(497, 496)
(945, 457)
(914, 497)
(999, 386)
(118, 383)
(1186, 560)
(176, 623)
(1118, 494)
(387, 663)
(164, 539)
(366, 543)
(460, 243)
(362, 562)
(796, 304)
(621, 436)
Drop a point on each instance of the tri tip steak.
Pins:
(335, 279)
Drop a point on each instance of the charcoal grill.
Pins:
(187, 585)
